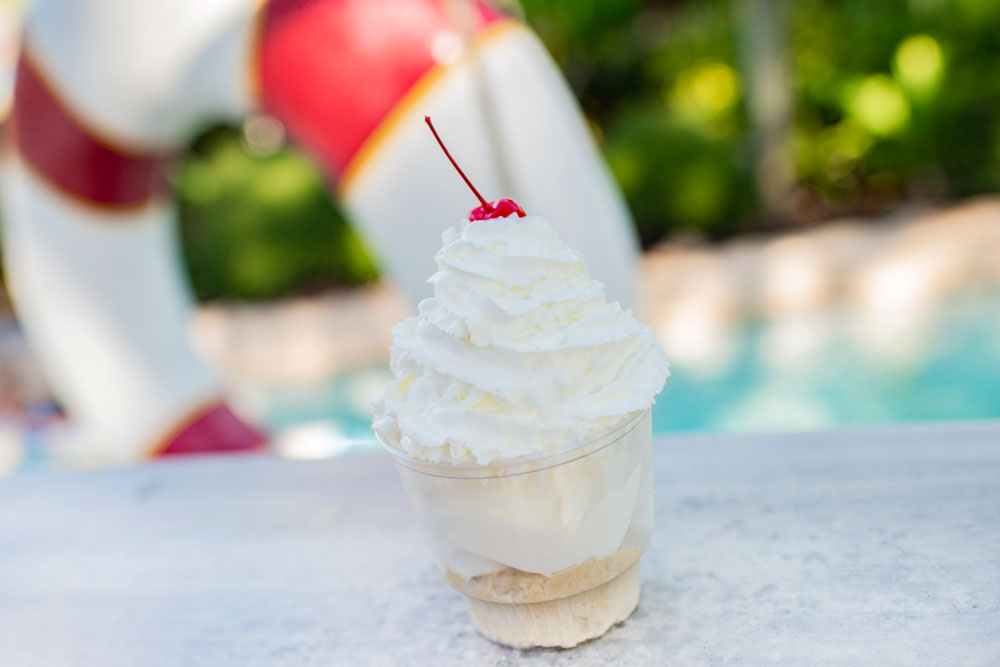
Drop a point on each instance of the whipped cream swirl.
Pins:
(518, 352)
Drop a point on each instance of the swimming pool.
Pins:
(820, 370)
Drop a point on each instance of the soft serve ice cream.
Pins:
(518, 414)
(518, 352)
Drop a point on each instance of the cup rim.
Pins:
(520, 465)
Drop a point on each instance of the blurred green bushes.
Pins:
(892, 99)
(256, 227)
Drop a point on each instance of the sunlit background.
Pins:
(812, 183)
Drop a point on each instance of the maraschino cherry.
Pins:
(500, 208)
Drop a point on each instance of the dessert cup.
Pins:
(545, 548)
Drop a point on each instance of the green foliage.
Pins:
(661, 80)
(674, 174)
(259, 227)
(892, 99)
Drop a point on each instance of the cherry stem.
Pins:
(486, 204)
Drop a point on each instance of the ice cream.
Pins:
(517, 353)
(519, 419)
(517, 356)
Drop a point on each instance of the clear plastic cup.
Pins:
(544, 548)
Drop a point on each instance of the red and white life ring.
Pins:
(108, 90)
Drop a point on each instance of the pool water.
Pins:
(949, 368)
(822, 370)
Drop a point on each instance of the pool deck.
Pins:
(849, 547)
(887, 275)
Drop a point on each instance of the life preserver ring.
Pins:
(108, 90)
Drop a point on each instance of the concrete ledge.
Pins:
(851, 547)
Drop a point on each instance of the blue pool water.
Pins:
(817, 372)
(949, 370)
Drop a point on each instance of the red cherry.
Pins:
(500, 208)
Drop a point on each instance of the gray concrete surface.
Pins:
(872, 546)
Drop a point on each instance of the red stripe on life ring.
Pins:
(215, 429)
(73, 159)
(332, 70)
